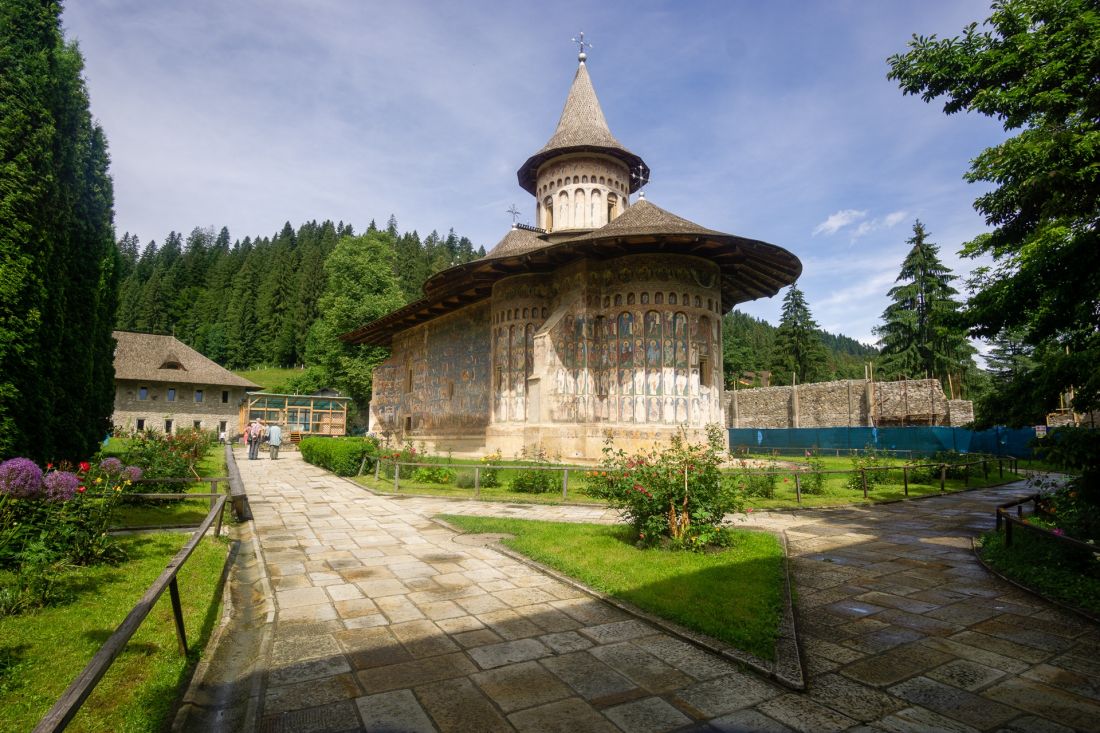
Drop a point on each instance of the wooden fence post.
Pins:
(477, 482)
(797, 488)
(863, 475)
(564, 483)
(377, 468)
(396, 476)
(905, 479)
(943, 476)
(1008, 531)
(1000, 468)
(213, 493)
(177, 612)
(966, 474)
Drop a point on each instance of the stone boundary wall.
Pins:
(844, 403)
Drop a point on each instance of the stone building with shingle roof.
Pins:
(604, 317)
(163, 384)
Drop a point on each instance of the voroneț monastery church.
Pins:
(604, 317)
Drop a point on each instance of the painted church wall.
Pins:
(436, 379)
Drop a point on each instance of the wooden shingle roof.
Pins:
(582, 129)
(149, 357)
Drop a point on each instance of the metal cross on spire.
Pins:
(579, 40)
(514, 212)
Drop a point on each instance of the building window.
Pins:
(168, 427)
(409, 380)
(225, 396)
(221, 426)
(141, 423)
(704, 373)
(143, 393)
(171, 394)
(408, 424)
(450, 390)
(198, 395)
(197, 424)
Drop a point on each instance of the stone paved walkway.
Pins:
(383, 622)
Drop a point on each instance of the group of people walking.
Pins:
(258, 432)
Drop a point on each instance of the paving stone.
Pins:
(339, 717)
(307, 614)
(649, 715)
(617, 631)
(726, 694)
(457, 705)
(853, 699)
(924, 624)
(287, 650)
(498, 655)
(289, 673)
(1031, 724)
(353, 607)
(524, 596)
(1023, 631)
(366, 622)
(481, 604)
(565, 716)
(441, 609)
(746, 721)
(510, 625)
(398, 608)
(641, 666)
(687, 658)
(565, 642)
(381, 587)
(591, 678)
(475, 638)
(372, 647)
(344, 592)
(519, 686)
(880, 640)
(803, 714)
(416, 672)
(922, 720)
(310, 693)
(459, 624)
(964, 613)
(547, 618)
(965, 674)
(422, 638)
(1047, 702)
(890, 600)
(895, 665)
(953, 702)
(975, 654)
(589, 611)
(1003, 647)
(394, 711)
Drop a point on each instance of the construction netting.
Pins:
(922, 440)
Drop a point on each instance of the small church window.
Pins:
(143, 393)
(171, 394)
(607, 301)
(409, 380)
(408, 424)
(544, 311)
(658, 298)
(630, 298)
(645, 298)
(526, 313)
(225, 396)
(672, 298)
(141, 423)
(584, 179)
(618, 299)
(698, 304)
(704, 372)
(451, 390)
(710, 304)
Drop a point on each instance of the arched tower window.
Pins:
(563, 210)
(548, 214)
(579, 209)
(597, 210)
(612, 206)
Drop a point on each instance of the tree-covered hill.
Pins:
(749, 346)
(251, 302)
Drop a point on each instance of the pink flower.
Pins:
(749, 510)
(84, 466)
(1058, 531)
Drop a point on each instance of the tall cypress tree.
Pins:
(798, 349)
(921, 335)
(58, 258)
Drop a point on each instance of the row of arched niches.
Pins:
(655, 365)
(581, 193)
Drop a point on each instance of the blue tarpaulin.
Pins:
(925, 440)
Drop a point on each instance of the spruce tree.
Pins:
(798, 350)
(921, 335)
(58, 258)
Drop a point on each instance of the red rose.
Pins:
(80, 489)
(84, 466)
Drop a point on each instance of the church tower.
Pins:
(583, 177)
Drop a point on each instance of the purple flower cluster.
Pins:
(20, 478)
(111, 466)
(133, 473)
(61, 485)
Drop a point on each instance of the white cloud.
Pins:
(838, 221)
(894, 218)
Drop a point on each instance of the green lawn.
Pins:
(1064, 574)
(170, 513)
(43, 651)
(734, 595)
(835, 491)
(272, 379)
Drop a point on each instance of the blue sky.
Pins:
(773, 120)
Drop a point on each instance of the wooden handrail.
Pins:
(63, 711)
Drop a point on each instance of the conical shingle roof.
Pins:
(517, 241)
(582, 128)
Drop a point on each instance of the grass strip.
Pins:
(42, 651)
(176, 513)
(1064, 574)
(733, 595)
